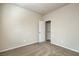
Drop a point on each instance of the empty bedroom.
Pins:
(39, 29)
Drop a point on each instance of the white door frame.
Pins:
(42, 33)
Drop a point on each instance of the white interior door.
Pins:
(41, 31)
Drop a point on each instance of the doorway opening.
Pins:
(48, 31)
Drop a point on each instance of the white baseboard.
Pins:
(15, 47)
(37, 42)
(66, 47)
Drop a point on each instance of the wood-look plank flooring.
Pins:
(40, 49)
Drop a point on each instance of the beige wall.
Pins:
(65, 26)
(20, 27)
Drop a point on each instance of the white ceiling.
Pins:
(41, 8)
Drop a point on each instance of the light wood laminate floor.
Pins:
(40, 49)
